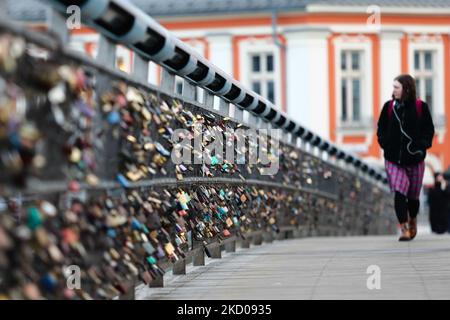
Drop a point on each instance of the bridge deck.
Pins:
(318, 268)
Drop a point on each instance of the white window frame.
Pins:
(422, 74)
(351, 74)
(366, 82)
(251, 46)
(264, 76)
(438, 79)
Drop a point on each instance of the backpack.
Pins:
(418, 108)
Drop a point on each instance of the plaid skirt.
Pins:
(405, 179)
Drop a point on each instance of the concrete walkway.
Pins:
(318, 268)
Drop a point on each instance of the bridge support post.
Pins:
(224, 107)
(257, 239)
(167, 80)
(179, 267)
(158, 282)
(199, 258)
(238, 114)
(216, 252)
(130, 291)
(245, 243)
(140, 68)
(297, 233)
(208, 99)
(230, 246)
(188, 91)
(268, 237)
(281, 235)
(290, 234)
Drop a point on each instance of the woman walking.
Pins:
(405, 131)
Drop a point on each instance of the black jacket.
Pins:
(394, 142)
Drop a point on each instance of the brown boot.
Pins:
(412, 223)
(405, 236)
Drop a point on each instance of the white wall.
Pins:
(307, 78)
(390, 63)
(220, 51)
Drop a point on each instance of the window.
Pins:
(262, 75)
(351, 86)
(425, 75)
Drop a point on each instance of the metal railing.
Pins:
(319, 189)
(119, 21)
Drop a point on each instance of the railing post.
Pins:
(224, 107)
(188, 90)
(297, 233)
(167, 80)
(299, 143)
(245, 243)
(140, 68)
(268, 237)
(294, 140)
(130, 294)
(215, 251)
(290, 234)
(238, 114)
(208, 99)
(257, 122)
(230, 246)
(263, 124)
(283, 137)
(252, 120)
(281, 235)
(158, 282)
(302, 144)
(257, 239)
(107, 56)
(107, 156)
(179, 267)
(199, 254)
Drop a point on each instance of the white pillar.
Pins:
(307, 77)
(390, 62)
(220, 51)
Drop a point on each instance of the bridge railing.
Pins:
(87, 178)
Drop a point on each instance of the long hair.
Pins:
(409, 87)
